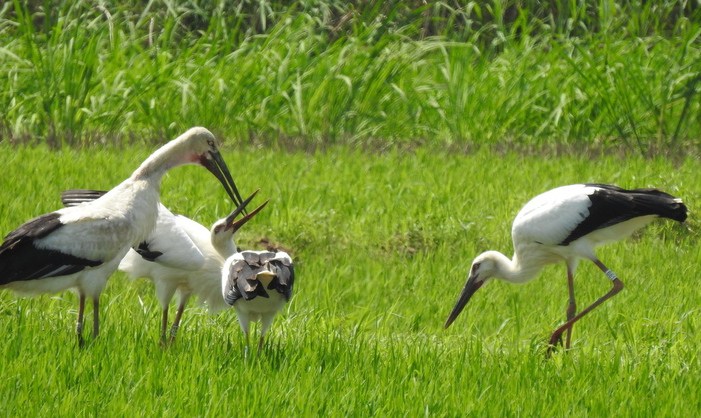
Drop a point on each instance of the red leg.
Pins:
(178, 317)
(572, 306)
(617, 286)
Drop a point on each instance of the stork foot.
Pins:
(555, 340)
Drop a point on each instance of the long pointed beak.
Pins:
(218, 167)
(231, 223)
(470, 288)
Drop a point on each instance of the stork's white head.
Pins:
(224, 229)
(195, 146)
(484, 267)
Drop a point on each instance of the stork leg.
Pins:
(178, 317)
(164, 325)
(266, 321)
(79, 324)
(245, 323)
(617, 286)
(572, 306)
(95, 316)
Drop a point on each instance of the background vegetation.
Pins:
(313, 73)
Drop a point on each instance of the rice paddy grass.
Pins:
(382, 242)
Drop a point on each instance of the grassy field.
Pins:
(382, 242)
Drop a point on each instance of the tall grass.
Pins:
(314, 73)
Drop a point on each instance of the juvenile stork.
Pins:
(80, 247)
(567, 224)
(257, 284)
(180, 255)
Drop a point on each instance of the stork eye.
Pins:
(475, 267)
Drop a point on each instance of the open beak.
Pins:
(217, 166)
(233, 224)
(470, 288)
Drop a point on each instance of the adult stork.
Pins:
(80, 247)
(257, 284)
(567, 224)
(180, 255)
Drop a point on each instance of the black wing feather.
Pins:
(21, 260)
(74, 197)
(146, 253)
(243, 284)
(284, 278)
(611, 205)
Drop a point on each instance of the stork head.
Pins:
(196, 146)
(206, 153)
(484, 267)
(224, 229)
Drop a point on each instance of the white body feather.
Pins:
(190, 263)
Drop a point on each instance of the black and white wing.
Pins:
(283, 268)
(25, 255)
(565, 214)
(241, 275)
(611, 205)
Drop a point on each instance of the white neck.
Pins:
(512, 270)
(165, 158)
(224, 244)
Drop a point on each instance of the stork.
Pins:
(180, 255)
(567, 224)
(80, 247)
(257, 284)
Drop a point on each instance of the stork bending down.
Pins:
(567, 224)
(80, 247)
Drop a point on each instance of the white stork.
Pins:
(179, 255)
(80, 247)
(257, 284)
(567, 224)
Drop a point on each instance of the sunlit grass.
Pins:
(382, 243)
(316, 73)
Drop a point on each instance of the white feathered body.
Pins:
(189, 262)
(102, 230)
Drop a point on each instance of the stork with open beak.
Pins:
(180, 255)
(80, 247)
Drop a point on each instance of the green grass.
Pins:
(320, 72)
(382, 243)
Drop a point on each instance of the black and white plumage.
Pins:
(180, 255)
(567, 224)
(80, 247)
(257, 284)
